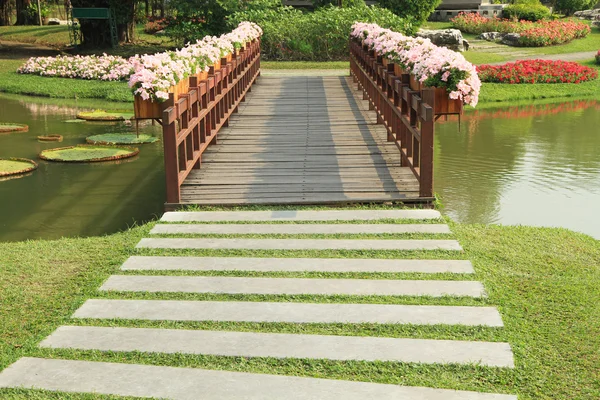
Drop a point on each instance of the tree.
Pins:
(96, 33)
(25, 16)
(6, 8)
(418, 10)
(568, 7)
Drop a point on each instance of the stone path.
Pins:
(140, 276)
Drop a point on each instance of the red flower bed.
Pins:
(537, 71)
(537, 34)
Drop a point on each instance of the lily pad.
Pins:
(16, 166)
(88, 153)
(121, 138)
(101, 115)
(50, 138)
(75, 121)
(6, 127)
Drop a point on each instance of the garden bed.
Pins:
(88, 153)
(530, 34)
(537, 71)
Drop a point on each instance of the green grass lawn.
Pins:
(545, 282)
(12, 82)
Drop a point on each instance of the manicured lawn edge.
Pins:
(544, 281)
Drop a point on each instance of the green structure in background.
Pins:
(91, 13)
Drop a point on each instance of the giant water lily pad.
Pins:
(88, 153)
(101, 115)
(16, 166)
(6, 127)
(50, 138)
(121, 138)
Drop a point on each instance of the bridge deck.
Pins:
(301, 140)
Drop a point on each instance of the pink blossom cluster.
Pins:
(432, 65)
(154, 75)
(105, 68)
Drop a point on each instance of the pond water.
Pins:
(62, 199)
(531, 165)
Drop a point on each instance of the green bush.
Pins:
(418, 10)
(568, 7)
(322, 35)
(529, 12)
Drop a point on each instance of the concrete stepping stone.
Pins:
(150, 263)
(280, 345)
(193, 383)
(292, 286)
(298, 244)
(248, 311)
(292, 215)
(296, 229)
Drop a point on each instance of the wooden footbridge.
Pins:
(236, 139)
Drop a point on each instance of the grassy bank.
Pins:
(12, 82)
(544, 281)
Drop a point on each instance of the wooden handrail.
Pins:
(408, 115)
(192, 122)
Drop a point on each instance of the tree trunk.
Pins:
(23, 16)
(5, 12)
(96, 33)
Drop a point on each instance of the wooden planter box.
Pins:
(446, 105)
(150, 109)
(398, 70)
(414, 83)
(202, 76)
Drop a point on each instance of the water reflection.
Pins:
(74, 199)
(533, 165)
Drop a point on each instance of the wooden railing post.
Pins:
(191, 122)
(427, 136)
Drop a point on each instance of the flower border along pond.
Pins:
(83, 153)
(532, 34)
(7, 166)
(537, 71)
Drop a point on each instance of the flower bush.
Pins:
(535, 34)
(151, 75)
(433, 66)
(537, 71)
(104, 68)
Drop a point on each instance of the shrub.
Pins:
(568, 7)
(527, 12)
(418, 10)
(540, 33)
(290, 34)
(598, 57)
(537, 71)
(153, 26)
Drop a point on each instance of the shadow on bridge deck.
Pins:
(302, 140)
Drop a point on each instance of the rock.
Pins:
(588, 14)
(54, 21)
(511, 39)
(450, 38)
(491, 36)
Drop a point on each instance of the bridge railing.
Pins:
(407, 114)
(194, 119)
